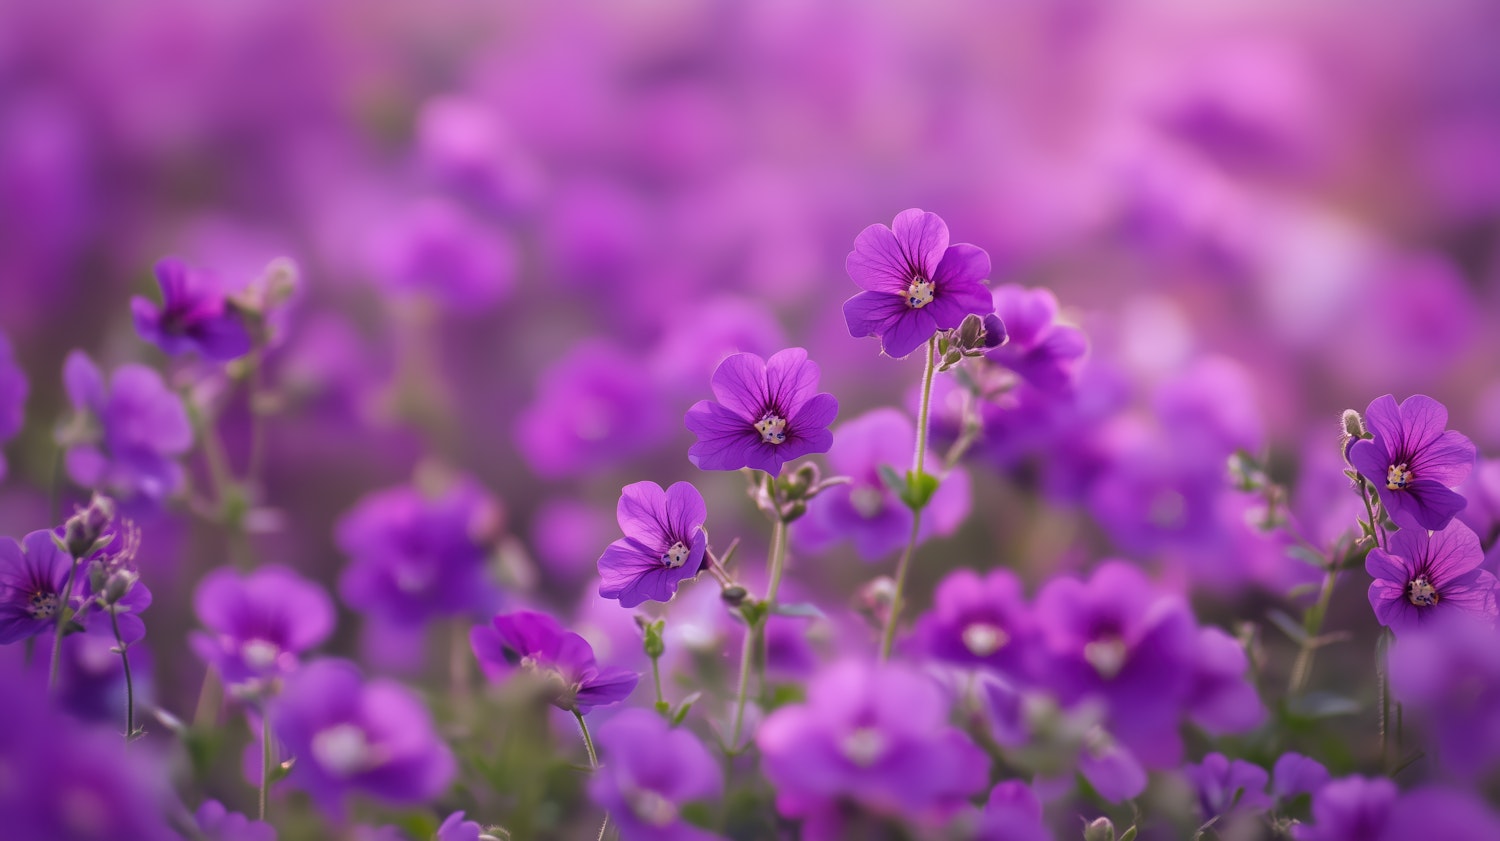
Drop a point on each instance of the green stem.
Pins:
(114, 623)
(918, 466)
(588, 745)
(1313, 625)
(747, 656)
(1364, 494)
(64, 613)
(661, 698)
(265, 760)
(777, 560)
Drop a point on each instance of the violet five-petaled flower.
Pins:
(195, 314)
(914, 282)
(768, 412)
(33, 576)
(541, 646)
(650, 772)
(348, 735)
(259, 624)
(1420, 578)
(1413, 461)
(124, 437)
(663, 544)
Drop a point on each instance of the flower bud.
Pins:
(733, 595)
(84, 531)
(118, 585)
(1099, 829)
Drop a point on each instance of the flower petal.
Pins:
(877, 263)
(791, 378)
(642, 514)
(739, 383)
(724, 438)
(922, 237)
(907, 333)
(873, 313)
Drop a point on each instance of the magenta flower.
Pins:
(125, 437)
(563, 659)
(349, 736)
(259, 624)
(1421, 578)
(650, 772)
(663, 543)
(767, 413)
(915, 282)
(1413, 461)
(13, 390)
(195, 315)
(873, 736)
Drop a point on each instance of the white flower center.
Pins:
(919, 293)
(1107, 656)
(1397, 477)
(42, 605)
(772, 428)
(1421, 593)
(343, 750)
(260, 654)
(983, 639)
(864, 746)
(867, 500)
(675, 556)
(652, 808)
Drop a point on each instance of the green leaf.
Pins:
(1288, 626)
(1129, 834)
(803, 609)
(685, 707)
(892, 480)
(1322, 705)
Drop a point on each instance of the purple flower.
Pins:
(1225, 787)
(33, 575)
(1296, 775)
(125, 438)
(1119, 640)
(1351, 809)
(260, 624)
(420, 553)
(865, 509)
(1220, 699)
(663, 544)
(915, 282)
(560, 658)
(1420, 578)
(875, 736)
(649, 771)
(13, 390)
(1413, 461)
(455, 828)
(1013, 813)
(979, 622)
(219, 824)
(195, 315)
(1041, 351)
(767, 413)
(438, 251)
(1447, 674)
(65, 782)
(350, 736)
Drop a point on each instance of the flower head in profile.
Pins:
(1413, 461)
(768, 412)
(649, 772)
(1422, 578)
(663, 543)
(539, 645)
(195, 315)
(914, 282)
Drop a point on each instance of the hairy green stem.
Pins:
(588, 745)
(919, 458)
(114, 623)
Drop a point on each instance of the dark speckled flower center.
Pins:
(919, 293)
(42, 605)
(1421, 593)
(675, 556)
(772, 428)
(1397, 477)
